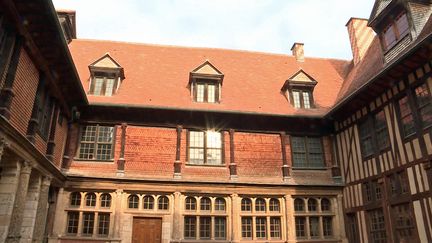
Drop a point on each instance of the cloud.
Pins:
(259, 25)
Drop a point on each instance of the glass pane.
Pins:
(72, 226)
(196, 156)
(300, 223)
(314, 227)
(402, 25)
(196, 139)
(103, 225)
(205, 225)
(214, 139)
(296, 99)
(214, 156)
(220, 228)
(298, 144)
(246, 227)
(306, 100)
(88, 134)
(211, 93)
(327, 226)
(200, 93)
(423, 98)
(105, 134)
(98, 86)
(190, 227)
(389, 37)
(88, 223)
(104, 151)
(275, 226)
(205, 204)
(260, 228)
(109, 88)
(220, 204)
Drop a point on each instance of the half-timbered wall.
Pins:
(409, 157)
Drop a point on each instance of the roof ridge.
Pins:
(204, 48)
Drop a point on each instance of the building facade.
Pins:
(104, 141)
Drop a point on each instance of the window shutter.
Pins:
(187, 145)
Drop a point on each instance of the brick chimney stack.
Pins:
(298, 51)
(361, 36)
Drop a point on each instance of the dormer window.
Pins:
(205, 83)
(106, 76)
(299, 90)
(394, 31)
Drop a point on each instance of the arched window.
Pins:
(90, 199)
(133, 201)
(246, 205)
(148, 202)
(274, 205)
(220, 204)
(299, 205)
(325, 205)
(260, 205)
(312, 205)
(190, 203)
(75, 199)
(205, 204)
(105, 200)
(163, 203)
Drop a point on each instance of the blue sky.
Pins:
(256, 25)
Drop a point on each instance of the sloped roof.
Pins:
(378, 7)
(157, 76)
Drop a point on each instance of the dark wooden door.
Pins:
(147, 230)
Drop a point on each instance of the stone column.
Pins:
(176, 236)
(289, 214)
(235, 218)
(3, 144)
(117, 213)
(339, 225)
(60, 216)
(42, 210)
(14, 233)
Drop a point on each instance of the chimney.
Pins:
(361, 36)
(67, 23)
(298, 51)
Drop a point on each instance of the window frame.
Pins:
(307, 153)
(96, 143)
(397, 35)
(206, 83)
(372, 124)
(205, 148)
(104, 74)
(301, 91)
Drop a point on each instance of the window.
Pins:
(301, 99)
(381, 131)
(72, 225)
(246, 205)
(103, 224)
(45, 113)
(206, 91)
(274, 205)
(309, 224)
(205, 148)
(398, 183)
(205, 226)
(104, 84)
(220, 228)
(307, 152)
(163, 203)
(404, 225)
(372, 191)
(190, 203)
(275, 228)
(88, 223)
(205, 204)
(96, 142)
(352, 230)
(374, 134)
(395, 31)
(246, 227)
(220, 204)
(424, 105)
(366, 140)
(190, 227)
(105, 200)
(75, 199)
(90, 199)
(377, 226)
(299, 205)
(260, 205)
(148, 202)
(133, 201)
(260, 225)
(406, 117)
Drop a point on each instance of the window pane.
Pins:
(88, 223)
(214, 156)
(300, 223)
(90, 199)
(327, 226)
(314, 227)
(105, 134)
(196, 156)
(75, 199)
(98, 86)
(389, 37)
(377, 226)
(200, 93)
(404, 222)
(299, 151)
(103, 224)
(205, 204)
(365, 130)
(325, 205)
(220, 228)
(220, 204)
(105, 200)
(315, 152)
(211, 93)
(163, 203)
(299, 205)
(109, 88)
(407, 120)
(190, 227)
(306, 100)
(275, 227)
(260, 205)
(381, 130)
(196, 144)
(296, 99)
(148, 202)
(205, 225)
(88, 134)
(214, 139)
(423, 99)
(312, 205)
(104, 151)
(246, 205)
(246, 227)
(133, 201)
(260, 227)
(190, 203)
(402, 25)
(72, 226)
(274, 205)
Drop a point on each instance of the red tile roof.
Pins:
(157, 76)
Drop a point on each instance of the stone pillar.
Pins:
(30, 208)
(339, 225)
(60, 216)
(235, 218)
(117, 213)
(42, 210)
(8, 185)
(176, 236)
(289, 216)
(14, 232)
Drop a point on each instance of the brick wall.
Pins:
(60, 140)
(258, 155)
(25, 86)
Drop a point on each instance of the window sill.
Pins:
(111, 161)
(309, 168)
(206, 165)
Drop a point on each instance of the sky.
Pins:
(254, 25)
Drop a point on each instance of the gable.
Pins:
(301, 76)
(106, 61)
(207, 68)
(378, 7)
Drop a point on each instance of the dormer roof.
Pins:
(206, 70)
(300, 78)
(106, 62)
(378, 7)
